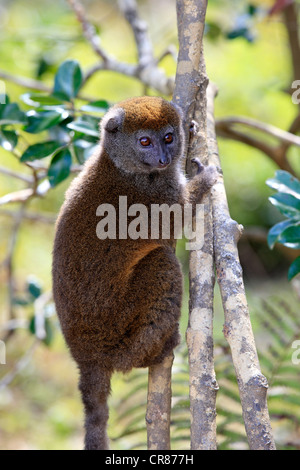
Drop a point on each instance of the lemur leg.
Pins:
(95, 388)
(157, 289)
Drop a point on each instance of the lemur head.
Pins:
(143, 134)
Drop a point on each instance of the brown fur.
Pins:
(146, 113)
(118, 301)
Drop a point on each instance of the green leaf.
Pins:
(83, 150)
(48, 330)
(68, 80)
(37, 99)
(8, 139)
(88, 125)
(294, 268)
(290, 237)
(34, 288)
(212, 30)
(286, 204)
(21, 301)
(100, 106)
(276, 231)
(11, 114)
(38, 151)
(284, 182)
(39, 122)
(60, 167)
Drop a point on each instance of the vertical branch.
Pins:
(159, 405)
(237, 329)
(190, 94)
(203, 384)
(191, 22)
(290, 15)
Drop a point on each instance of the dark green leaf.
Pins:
(212, 30)
(34, 288)
(284, 182)
(38, 151)
(100, 106)
(252, 9)
(276, 231)
(48, 330)
(291, 236)
(8, 139)
(68, 80)
(294, 268)
(286, 204)
(88, 125)
(243, 32)
(60, 167)
(39, 122)
(36, 99)
(11, 114)
(43, 66)
(83, 150)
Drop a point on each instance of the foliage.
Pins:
(71, 132)
(287, 201)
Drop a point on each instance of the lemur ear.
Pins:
(113, 121)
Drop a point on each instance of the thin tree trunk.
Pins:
(190, 94)
(159, 405)
(237, 328)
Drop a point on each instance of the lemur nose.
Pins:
(164, 161)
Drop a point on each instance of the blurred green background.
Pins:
(41, 408)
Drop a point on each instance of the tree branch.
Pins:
(226, 128)
(146, 70)
(159, 405)
(237, 328)
(190, 94)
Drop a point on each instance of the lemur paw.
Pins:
(200, 167)
(210, 175)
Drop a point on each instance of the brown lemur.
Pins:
(119, 300)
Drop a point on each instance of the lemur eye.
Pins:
(145, 141)
(169, 138)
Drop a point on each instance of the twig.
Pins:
(277, 154)
(273, 131)
(290, 15)
(25, 194)
(25, 82)
(8, 172)
(88, 30)
(34, 217)
(19, 366)
(140, 31)
(146, 70)
(17, 196)
(9, 260)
